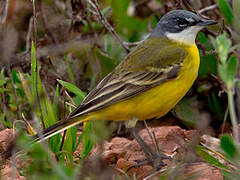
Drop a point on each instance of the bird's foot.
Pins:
(155, 160)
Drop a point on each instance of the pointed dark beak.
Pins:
(205, 22)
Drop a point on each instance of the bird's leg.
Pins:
(153, 158)
(146, 149)
(131, 125)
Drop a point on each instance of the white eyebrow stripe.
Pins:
(190, 19)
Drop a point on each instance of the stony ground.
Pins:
(120, 153)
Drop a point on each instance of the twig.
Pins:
(225, 119)
(71, 99)
(132, 44)
(106, 24)
(155, 140)
(188, 5)
(14, 92)
(71, 105)
(208, 8)
(29, 127)
(4, 18)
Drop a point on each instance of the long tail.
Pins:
(57, 128)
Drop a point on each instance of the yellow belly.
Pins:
(157, 101)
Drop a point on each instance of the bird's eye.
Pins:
(182, 22)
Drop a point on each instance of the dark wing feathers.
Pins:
(124, 83)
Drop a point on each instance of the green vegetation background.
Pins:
(54, 52)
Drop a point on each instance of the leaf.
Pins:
(50, 120)
(222, 69)
(70, 140)
(208, 66)
(203, 39)
(55, 101)
(33, 66)
(15, 76)
(201, 151)
(215, 105)
(107, 63)
(222, 44)
(130, 27)
(87, 141)
(226, 10)
(187, 112)
(228, 146)
(4, 90)
(2, 82)
(72, 88)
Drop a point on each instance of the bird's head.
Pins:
(181, 26)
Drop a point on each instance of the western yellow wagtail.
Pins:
(149, 82)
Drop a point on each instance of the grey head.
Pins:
(180, 25)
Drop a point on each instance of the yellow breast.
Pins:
(159, 100)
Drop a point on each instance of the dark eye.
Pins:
(182, 22)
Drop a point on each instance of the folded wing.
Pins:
(160, 65)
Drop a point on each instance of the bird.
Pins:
(150, 80)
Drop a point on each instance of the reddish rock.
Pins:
(9, 173)
(6, 138)
(115, 149)
(202, 171)
(141, 172)
(172, 141)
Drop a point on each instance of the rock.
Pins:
(9, 173)
(172, 141)
(202, 171)
(6, 138)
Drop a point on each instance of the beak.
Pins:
(205, 22)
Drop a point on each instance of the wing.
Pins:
(145, 67)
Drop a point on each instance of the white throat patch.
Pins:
(187, 36)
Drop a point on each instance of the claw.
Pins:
(156, 162)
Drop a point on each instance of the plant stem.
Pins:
(233, 116)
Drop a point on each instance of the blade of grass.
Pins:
(36, 82)
(51, 119)
(55, 102)
(209, 158)
(72, 88)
